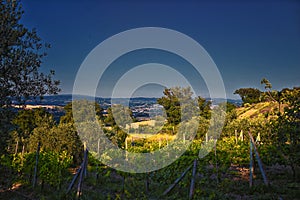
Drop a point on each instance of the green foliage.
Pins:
(249, 95)
(21, 54)
(287, 127)
(53, 167)
(204, 107)
(85, 111)
(119, 115)
(61, 138)
(177, 103)
(26, 121)
(6, 127)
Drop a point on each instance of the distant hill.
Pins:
(63, 99)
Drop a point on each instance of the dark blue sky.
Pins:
(248, 40)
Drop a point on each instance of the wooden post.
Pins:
(236, 137)
(177, 180)
(183, 138)
(74, 179)
(217, 170)
(98, 157)
(259, 161)
(206, 138)
(98, 147)
(36, 165)
(82, 172)
(23, 150)
(192, 187)
(16, 149)
(22, 157)
(80, 181)
(241, 136)
(258, 139)
(147, 182)
(85, 159)
(251, 165)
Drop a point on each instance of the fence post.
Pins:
(177, 180)
(36, 165)
(251, 165)
(83, 171)
(192, 187)
(236, 137)
(147, 183)
(258, 160)
(17, 146)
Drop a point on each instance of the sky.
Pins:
(247, 40)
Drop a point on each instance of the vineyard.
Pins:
(177, 146)
(223, 174)
(255, 157)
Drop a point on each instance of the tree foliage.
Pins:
(26, 121)
(179, 104)
(21, 54)
(61, 138)
(84, 111)
(204, 107)
(249, 95)
(287, 127)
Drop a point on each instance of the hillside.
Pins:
(258, 109)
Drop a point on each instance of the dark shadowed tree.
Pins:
(249, 95)
(21, 54)
(287, 127)
(26, 121)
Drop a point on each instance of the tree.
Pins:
(287, 127)
(27, 120)
(204, 107)
(84, 110)
(179, 104)
(59, 138)
(117, 117)
(269, 94)
(249, 95)
(6, 115)
(21, 53)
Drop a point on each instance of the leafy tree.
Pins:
(230, 107)
(287, 127)
(6, 127)
(83, 111)
(273, 95)
(172, 106)
(59, 138)
(122, 115)
(270, 94)
(109, 119)
(26, 121)
(249, 95)
(179, 104)
(118, 115)
(21, 53)
(204, 107)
